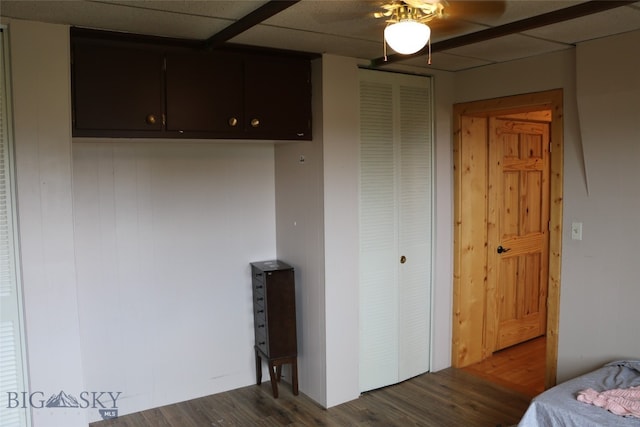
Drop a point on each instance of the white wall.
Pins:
(41, 93)
(599, 291)
(599, 313)
(442, 284)
(340, 123)
(165, 232)
(300, 242)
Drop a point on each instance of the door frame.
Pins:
(470, 161)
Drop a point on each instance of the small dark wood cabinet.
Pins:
(274, 313)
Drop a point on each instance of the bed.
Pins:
(559, 406)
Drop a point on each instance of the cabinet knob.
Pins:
(151, 119)
(233, 122)
(403, 259)
(255, 123)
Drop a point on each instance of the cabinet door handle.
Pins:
(403, 259)
(260, 311)
(151, 119)
(233, 122)
(255, 123)
(260, 299)
(260, 326)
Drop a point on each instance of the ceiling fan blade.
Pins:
(465, 9)
(420, 4)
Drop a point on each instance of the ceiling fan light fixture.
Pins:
(407, 36)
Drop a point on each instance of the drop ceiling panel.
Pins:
(228, 9)
(444, 62)
(508, 48)
(522, 9)
(614, 21)
(117, 17)
(340, 27)
(283, 38)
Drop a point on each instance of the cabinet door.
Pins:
(204, 92)
(278, 97)
(116, 89)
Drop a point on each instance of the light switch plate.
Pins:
(576, 231)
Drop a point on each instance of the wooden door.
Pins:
(518, 224)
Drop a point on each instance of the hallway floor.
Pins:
(520, 368)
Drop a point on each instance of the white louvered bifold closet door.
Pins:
(12, 376)
(395, 222)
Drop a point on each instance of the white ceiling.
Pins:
(345, 27)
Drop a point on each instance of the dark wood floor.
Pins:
(450, 397)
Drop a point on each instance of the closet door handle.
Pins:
(503, 250)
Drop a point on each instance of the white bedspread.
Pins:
(558, 406)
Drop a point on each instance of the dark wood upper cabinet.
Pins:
(278, 96)
(117, 88)
(139, 86)
(204, 92)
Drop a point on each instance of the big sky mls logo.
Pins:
(106, 402)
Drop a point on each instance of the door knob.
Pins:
(501, 249)
(403, 259)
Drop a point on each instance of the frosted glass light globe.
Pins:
(407, 37)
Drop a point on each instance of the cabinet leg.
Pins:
(294, 376)
(279, 372)
(258, 368)
(274, 382)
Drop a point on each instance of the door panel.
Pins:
(519, 213)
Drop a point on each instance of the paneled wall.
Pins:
(42, 124)
(164, 235)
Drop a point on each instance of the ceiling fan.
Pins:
(423, 10)
(407, 31)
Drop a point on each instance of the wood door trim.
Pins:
(464, 350)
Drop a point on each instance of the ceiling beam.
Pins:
(561, 15)
(254, 18)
